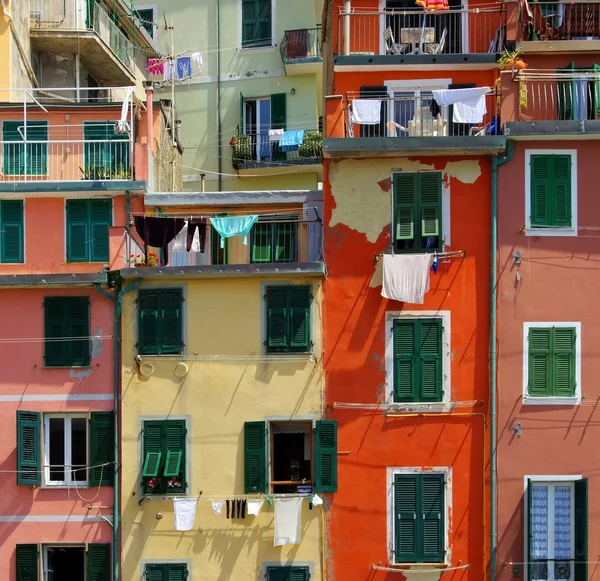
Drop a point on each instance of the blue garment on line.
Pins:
(184, 67)
(228, 226)
(291, 140)
(264, 146)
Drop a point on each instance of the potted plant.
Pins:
(312, 146)
(137, 260)
(233, 141)
(512, 61)
(242, 150)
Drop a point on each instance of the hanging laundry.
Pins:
(244, 508)
(238, 508)
(156, 66)
(291, 140)
(469, 104)
(158, 232)
(406, 277)
(169, 70)
(184, 511)
(196, 243)
(254, 507)
(228, 226)
(435, 264)
(217, 506)
(197, 58)
(366, 111)
(275, 134)
(288, 520)
(227, 502)
(184, 67)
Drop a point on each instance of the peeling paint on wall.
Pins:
(97, 343)
(81, 374)
(377, 278)
(467, 171)
(422, 573)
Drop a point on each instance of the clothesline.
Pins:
(449, 254)
(236, 212)
(428, 570)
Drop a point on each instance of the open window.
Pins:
(66, 450)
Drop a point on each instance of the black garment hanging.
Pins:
(227, 502)
(158, 232)
(194, 223)
(243, 508)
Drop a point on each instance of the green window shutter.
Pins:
(173, 463)
(11, 231)
(299, 322)
(299, 574)
(148, 322)
(540, 190)
(539, 361)
(37, 152)
(256, 23)
(405, 199)
(561, 192)
(156, 573)
(406, 495)
(170, 321)
(100, 222)
(277, 319)
(152, 448)
(28, 448)
(528, 520)
(98, 562)
(78, 325)
(431, 203)
(177, 572)
(151, 464)
(56, 326)
(325, 456)
(285, 240)
(78, 233)
(563, 361)
(241, 125)
(16, 151)
(102, 438)
(551, 191)
(255, 457)
(278, 110)
(406, 366)
(174, 451)
(581, 530)
(430, 360)
(432, 508)
(278, 573)
(27, 563)
(97, 149)
(566, 94)
(261, 249)
(14, 148)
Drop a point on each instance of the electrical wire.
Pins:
(52, 340)
(44, 466)
(234, 175)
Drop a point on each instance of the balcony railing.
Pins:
(301, 46)
(81, 15)
(406, 32)
(421, 116)
(564, 20)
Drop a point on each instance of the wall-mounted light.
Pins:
(293, 91)
(517, 429)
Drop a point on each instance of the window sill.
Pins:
(441, 406)
(566, 401)
(62, 486)
(440, 565)
(530, 231)
(257, 49)
(67, 366)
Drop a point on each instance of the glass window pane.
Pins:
(56, 449)
(539, 531)
(79, 449)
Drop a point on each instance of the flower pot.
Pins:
(233, 142)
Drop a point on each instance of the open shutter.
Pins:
(170, 321)
(406, 376)
(581, 530)
(175, 450)
(405, 197)
(566, 95)
(11, 231)
(375, 92)
(14, 148)
(100, 221)
(27, 563)
(177, 572)
(56, 329)
(561, 190)
(148, 326)
(278, 111)
(277, 319)
(539, 361)
(299, 574)
(430, 360)
(98, 562)
(563, 361)
(325, 456)
(406, 491)
(528, 520)
(78, 235)
(241, 126)
(431, 203)
(299, 322)
(255, 457)
(540, 190)
(156, 572)
(36, 152)
(78, 325)
(432, 507)
(152, 448)
(102, 438)
(28, 448)
(261, 242)
(285, 237)
(173, 463)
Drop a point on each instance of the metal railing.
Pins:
(301, 46)
(405, 32)
(266, 148)
(421, 116)
(81, 15)
(552, 96)
(565, 20)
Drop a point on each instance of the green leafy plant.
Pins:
(242, 150)
(312, 145)
(99, 173)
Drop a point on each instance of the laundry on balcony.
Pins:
(366, 111)
(158, 232)
(469, 104)
(156, 66)
(275, 134)
(406, 277)
(291, 140)
(228, 226)
(196, 235)
(184, 67)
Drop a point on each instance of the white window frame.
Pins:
(47, 546)
(391, 473)
(390, 317)
(257, 49)
(529, 400)
(67, 417)
(532, 230)
(154, 8)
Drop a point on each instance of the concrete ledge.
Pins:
(60, 187)
(232, 198)
(371, 60)
(53, 280)
(552, 128)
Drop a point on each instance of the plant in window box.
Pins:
(242, 150)
(152, 484)
(312, 145)
(137, 260)
(175, 483)
(90, 172)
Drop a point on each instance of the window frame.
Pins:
(551, 231)
(22, 233)
(186, 562)
(25, 144)
(261, 48)
(68, 482)
(272, 227)
(551, 400)
(90, 223)
(445, 316)
(154, 8)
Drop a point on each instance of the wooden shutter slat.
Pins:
(430, 360)
(156, 573)
(36, 152)
(299, 574)
(432, 507)
(581, 530)
(278, 573)
(175, 447)
(405, 197)
(325, 456)
(563, 355)
(299, 318)
(153, 443)
(28, 448)
(14, 148)
(430, 197)
(561, 177)
(27, 562)
(406, 492)
(277, 319)
(98, 562)
(278, 110)
(172, 463)
(148, 323)
(255, 461)
(405, 361)
(176, 572)
(151, 464)
(78, 325)
(78, 233)
(102, 437)
(11, 228)
(539, 361)
(170, 321)
(100, 222)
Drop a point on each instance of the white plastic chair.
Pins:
(437, 47)
(393, 47)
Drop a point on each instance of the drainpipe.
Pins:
(219, 124)
(347, 10)
(496, 163)
(118, 302)
(149, 115)
(202, 182)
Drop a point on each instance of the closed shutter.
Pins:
(28, 448)
(57, 327)
(325, 456)
(256, 23)
(277, 319)
(175, 450)
(552, 362)
(36, 161)
(561, 190)
(278, 111)
(581, 530)
(540, 190)
(78, 234)
(299, 318)
(177, 572)
(102, 438)
(299, 574)
(11, 231)
(14, 148)
(152, 448)
(406, 366)
(148, 323)
(539, 361)
(431, 202)
(432, 509)
(255, 457)
(550, 191)
(27, 563)
(405, 197)
(406, 545)
(278, 573)
(170, 321)
(17, 155)
(98, 562)
(563, 361)
(100, 222)
(430, 360)
(156, 573)
(78, 325)
(566, 94)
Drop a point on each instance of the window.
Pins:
(11, 231)
(287, 574)
(275, 241)
(550, 197)
(25, 150)
(297, 456)
(419, 518)
(72, 444)
(88, 222)
(64, 562)
(164, 457)
(106, 152)
(166, 572)
(147, 19)
(67, 331)
(288, 319)
(556, 529)
(553, 361)
(417, 211)
(256, 23)
(160, 321)
(259, 115)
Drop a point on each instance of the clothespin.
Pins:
(435, 263)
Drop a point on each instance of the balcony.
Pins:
(548, 104)
(410, 123)
(557, 27)
(83, 27)
(253, 153)
(403, 37)
(301, 51)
